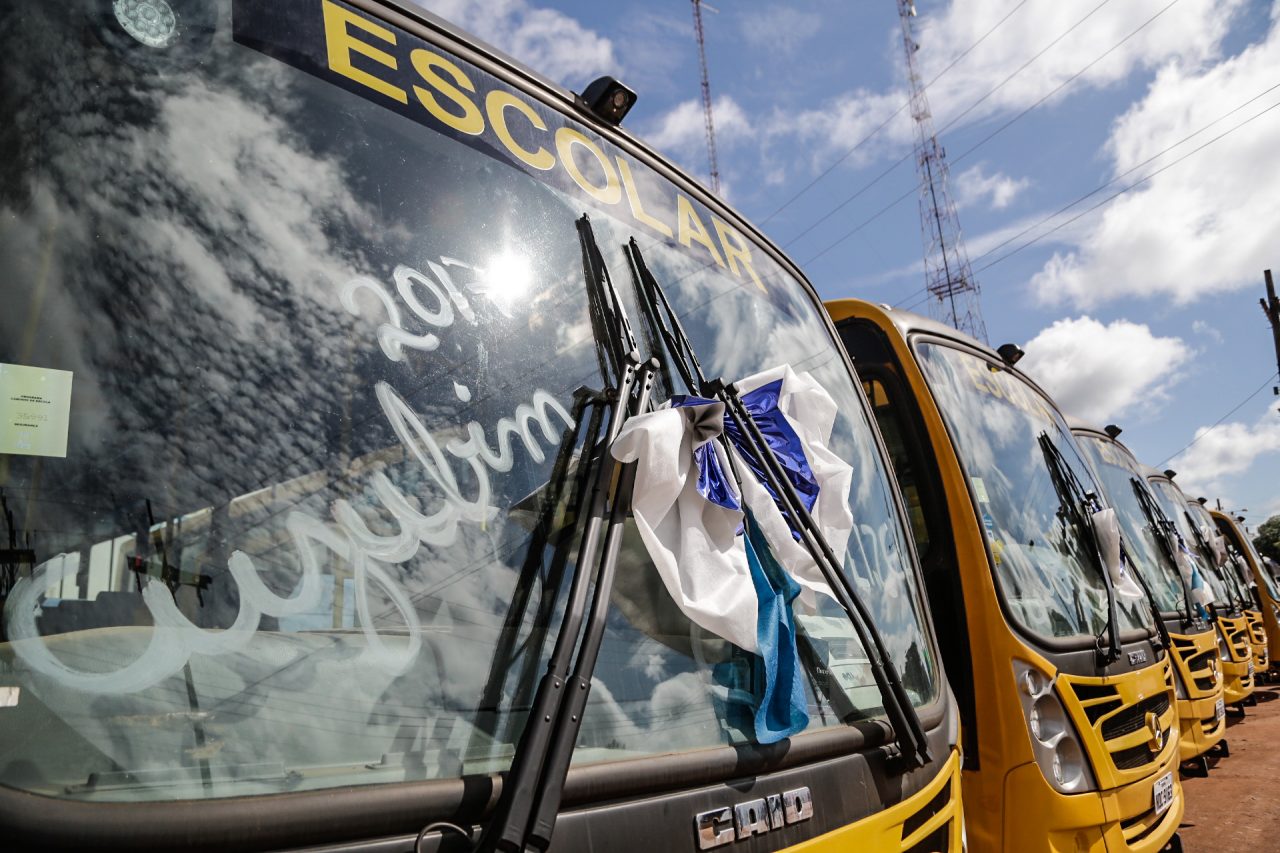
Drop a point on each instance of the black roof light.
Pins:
(608, 99)
(1011, 353)
(1112, 430)
(1170, 473)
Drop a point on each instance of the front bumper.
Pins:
(1123, 820)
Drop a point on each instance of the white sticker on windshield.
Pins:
(980, 490)
(35, 410)
(9, 696)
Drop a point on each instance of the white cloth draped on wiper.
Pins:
(1106, 529)
(692, 521)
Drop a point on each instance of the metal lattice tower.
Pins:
(953, 291)
(706, 96)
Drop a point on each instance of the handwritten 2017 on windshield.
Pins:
(348, 538)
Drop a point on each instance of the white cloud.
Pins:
(1097, 372)
(681, 132)
(1189, 34)
(1200, 327)
(548, 41)
(1228, 449)
(974, 184)
(1203, 227)
(779, 28)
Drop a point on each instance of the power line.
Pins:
(892, 116)
(1123, 174)
(1002, 128)
(862, 189)
(984, 141)
(1121, 192)
(1219, 421)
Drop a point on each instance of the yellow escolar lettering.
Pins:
(337, 33)
(566, 139)
(633, 199)
(496, 105)
(471, 122)
(736, 249)
(691, 229)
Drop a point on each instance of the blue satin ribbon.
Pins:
(766, 690)
(762, 404)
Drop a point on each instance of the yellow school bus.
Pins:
(1235, 648)
(1265, 616)
(321, 321)
(1066, 693)
(1160, 557)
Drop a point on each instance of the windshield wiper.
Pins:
(526, 812)
(908, 731)
(1169, 545)
(1077, 506)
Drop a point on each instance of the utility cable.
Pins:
(984, 141)
(885, 123)
(1121, 192)
(1123, 174)
(1219, 421)
(862, 189)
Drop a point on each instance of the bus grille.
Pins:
(941, 807)
(1114, 721)
(1134, 717)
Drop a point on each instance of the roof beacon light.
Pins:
(608, 99)
(1112, 430)
(1170, 473)
(1011, 353)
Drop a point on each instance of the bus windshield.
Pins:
(1050, 581)
(1235, 570)
(1120, 474)
(294, 320)
(1177, 508)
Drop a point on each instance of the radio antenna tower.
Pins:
(953, 291)
(706, 96)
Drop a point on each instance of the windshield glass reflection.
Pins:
(1050, 581)
(1119, 472)
(323, 359)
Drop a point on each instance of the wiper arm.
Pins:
(526, 812)
(905, 722)
(1164, 532)
(1075, 502)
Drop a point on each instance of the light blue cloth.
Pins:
(781, 709)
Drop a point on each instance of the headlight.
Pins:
(1054, 740)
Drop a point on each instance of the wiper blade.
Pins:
(526, 812)
(905, 722)
(1165, 533)
(1075, 502)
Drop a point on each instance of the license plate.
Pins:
(1220, 710)
(1162, 796)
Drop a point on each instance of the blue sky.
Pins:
(1142, 312)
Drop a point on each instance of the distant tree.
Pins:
(1268, 539)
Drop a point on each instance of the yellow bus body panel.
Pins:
(884, 832)
(1008, 804)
